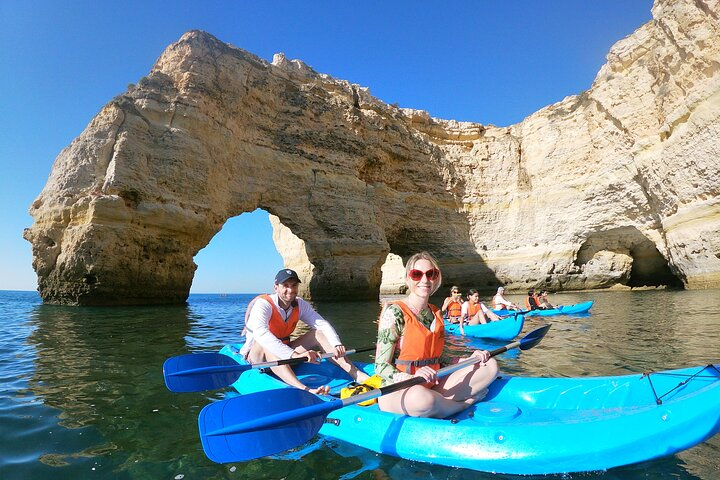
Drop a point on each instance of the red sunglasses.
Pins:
(417, 275)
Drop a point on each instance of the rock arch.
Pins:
(213, 132)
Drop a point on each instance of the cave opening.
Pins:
(626, 256)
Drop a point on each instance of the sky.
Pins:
(492, 62)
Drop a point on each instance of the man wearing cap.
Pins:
(269, 321)
(501, 303)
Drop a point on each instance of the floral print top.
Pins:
(390, 335)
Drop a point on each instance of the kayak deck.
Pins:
(576, 308)
(503, 329)
(530, 425)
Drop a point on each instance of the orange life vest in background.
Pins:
(277, 325)
(420, 346)
(454, 309)
(531, 303)
(473, 310)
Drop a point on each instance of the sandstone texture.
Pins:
(616, 186)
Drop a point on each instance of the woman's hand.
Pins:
(428, 374)
(483, 354)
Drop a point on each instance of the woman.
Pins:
(474, 312)
(452, 306)
(413, 329)
(543, 301)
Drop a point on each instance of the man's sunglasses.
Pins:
(417, 275)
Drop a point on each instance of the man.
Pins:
(501, 303)
(269, 321)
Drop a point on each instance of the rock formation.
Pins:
(616, 186)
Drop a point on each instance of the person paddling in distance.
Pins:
(452, 306)
(271, 319)
(502, 303)
(412, 330)
(543, 301)
(474, 312)
(531, 301)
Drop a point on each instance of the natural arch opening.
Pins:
(624, 256)
(240, 258)
(393, 276)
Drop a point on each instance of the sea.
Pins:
(82, 394)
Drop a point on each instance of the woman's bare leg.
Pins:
(418, 401)
(478, 318)
(468, 383)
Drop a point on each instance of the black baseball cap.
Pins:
(286, 274)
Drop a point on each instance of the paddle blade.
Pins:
(292, 427)
(534, 337)
(196, 372)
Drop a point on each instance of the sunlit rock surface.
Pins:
(616, 186)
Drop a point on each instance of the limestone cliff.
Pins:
(618, 185)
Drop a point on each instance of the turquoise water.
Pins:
(82, 394)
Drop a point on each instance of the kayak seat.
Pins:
(316, 380)
(484, 412)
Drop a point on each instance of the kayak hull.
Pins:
(583, 307)
(504, 329)
(532, 425)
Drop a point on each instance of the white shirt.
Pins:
(499, 302)
(257, 326)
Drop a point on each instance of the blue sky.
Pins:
(492, 62)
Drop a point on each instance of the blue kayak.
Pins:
(583, 307)
(504, 329)
(533, 426)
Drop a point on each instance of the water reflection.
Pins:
(95, 403)
(99, 369)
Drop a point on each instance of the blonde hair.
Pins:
(424, 256)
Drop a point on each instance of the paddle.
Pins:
(264, 423)
(196, 372)
(515, 313)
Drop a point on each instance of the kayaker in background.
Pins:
(413, 330)
(531, 301)
(474, 311)
(269, 321)
(543, 300)
(452, 306)
(502, 303)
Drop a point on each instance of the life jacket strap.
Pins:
(418, 363)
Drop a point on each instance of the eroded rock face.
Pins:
(618, 185)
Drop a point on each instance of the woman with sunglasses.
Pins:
(452, 306)
(411, 337)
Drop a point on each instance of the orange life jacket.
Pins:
(454, 309)
(531, 303)
(473, 310)
(420, 346)
(277, 325)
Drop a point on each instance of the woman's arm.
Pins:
(390, 328)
